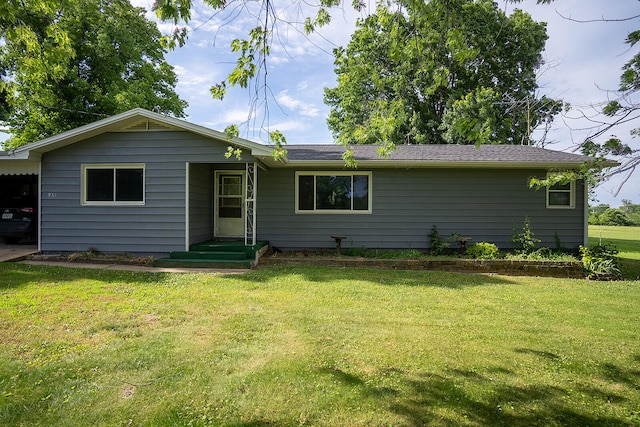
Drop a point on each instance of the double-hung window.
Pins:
(120, 185)
(561, 196)
(333, 192)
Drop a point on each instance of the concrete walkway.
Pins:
(16, 252)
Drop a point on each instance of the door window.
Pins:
(230, 196)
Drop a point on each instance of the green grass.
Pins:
(626, 240)
(315, 346)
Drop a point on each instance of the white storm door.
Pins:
(229, 204)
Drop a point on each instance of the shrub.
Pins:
(483, 250)
(438, 244)
(600, 261)
(356, 252)
(548, 255)
(544, 254)
(524, 242)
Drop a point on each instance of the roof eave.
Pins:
(385, 163)
(12, 155)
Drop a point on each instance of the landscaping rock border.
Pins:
(560, 269)
(97, 259)
(563, 269)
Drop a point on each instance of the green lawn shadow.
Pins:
(448, 396)
(14, 275)
(422, 278)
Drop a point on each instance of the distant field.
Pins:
(626, 239)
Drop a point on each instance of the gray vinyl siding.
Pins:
(158, 227)
(482, 204)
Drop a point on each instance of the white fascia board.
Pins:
(255, 148)
(119, 121)
(80, 133)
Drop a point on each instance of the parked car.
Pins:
(18, 219)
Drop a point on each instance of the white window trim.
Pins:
(83, 185)
(572, 197)
(332, 211)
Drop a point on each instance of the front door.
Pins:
(229, 204)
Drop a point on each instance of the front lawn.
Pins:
(315, 346)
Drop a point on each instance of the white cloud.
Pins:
(147, 4)
(290, 125)
(278, 60)
(236, 116)
(194, 80)
(304, 109)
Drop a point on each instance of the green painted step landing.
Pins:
(215, 254)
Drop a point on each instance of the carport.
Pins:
(18, 178)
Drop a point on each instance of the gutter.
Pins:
(408, 164)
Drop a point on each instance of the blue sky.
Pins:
(583, 62)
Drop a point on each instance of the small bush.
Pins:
(600, 261)
(544, 254)
(483, 250)
(357, 252)
(524, 241)
(438, 244)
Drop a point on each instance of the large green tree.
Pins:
(14, 26)
(69, 64)
(443, 71)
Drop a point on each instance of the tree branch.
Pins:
(603, 19)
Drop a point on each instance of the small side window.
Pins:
(561, 196)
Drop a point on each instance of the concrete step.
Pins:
(209, 256)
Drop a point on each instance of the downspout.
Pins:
(39, 233)
(585, 214)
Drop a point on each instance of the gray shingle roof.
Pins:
(438, 153)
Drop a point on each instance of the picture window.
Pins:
(113, 184)
(333, 192)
